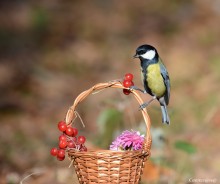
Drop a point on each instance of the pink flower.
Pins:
(128, 140)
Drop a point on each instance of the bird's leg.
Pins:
(136, 88)
(142, 106)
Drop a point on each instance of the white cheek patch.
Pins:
(149, 55)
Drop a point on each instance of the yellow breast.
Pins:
(155, 80)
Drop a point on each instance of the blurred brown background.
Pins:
(50, 51)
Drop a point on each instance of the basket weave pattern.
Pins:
(106, 166)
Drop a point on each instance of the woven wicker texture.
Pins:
(106, 166)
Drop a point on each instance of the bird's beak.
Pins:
(136, 56)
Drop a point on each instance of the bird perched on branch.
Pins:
(155, 78)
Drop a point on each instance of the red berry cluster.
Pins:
(127, 82)
(68, 140)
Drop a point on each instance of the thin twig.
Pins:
(26, 177)
(77, 114)
(71, 163)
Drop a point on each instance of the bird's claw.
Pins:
(136, 88)
(131, 88)
(142, 106)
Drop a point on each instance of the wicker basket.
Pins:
(106, 166)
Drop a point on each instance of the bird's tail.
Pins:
(165, 116)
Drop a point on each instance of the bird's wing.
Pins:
(166, 79)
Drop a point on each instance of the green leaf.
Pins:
(185, 146)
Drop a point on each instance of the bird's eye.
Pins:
(141, 52)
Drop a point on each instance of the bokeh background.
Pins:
(50, 51)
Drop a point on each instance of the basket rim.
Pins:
(72, 114)
(108, 153)
(105, 151)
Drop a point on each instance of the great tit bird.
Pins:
(155, 78)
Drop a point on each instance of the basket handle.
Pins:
(71, 114)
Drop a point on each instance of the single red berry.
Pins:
(127, 83)
(61, 153)
(69, 131)
(61, 158)
(126, 91)
(75, 132)
(62, 144)
(129, 76)
(81, 139)
(62, 137)
(53, 151)
(62, 126)
(71, 144)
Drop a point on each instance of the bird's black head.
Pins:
(146, 52)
